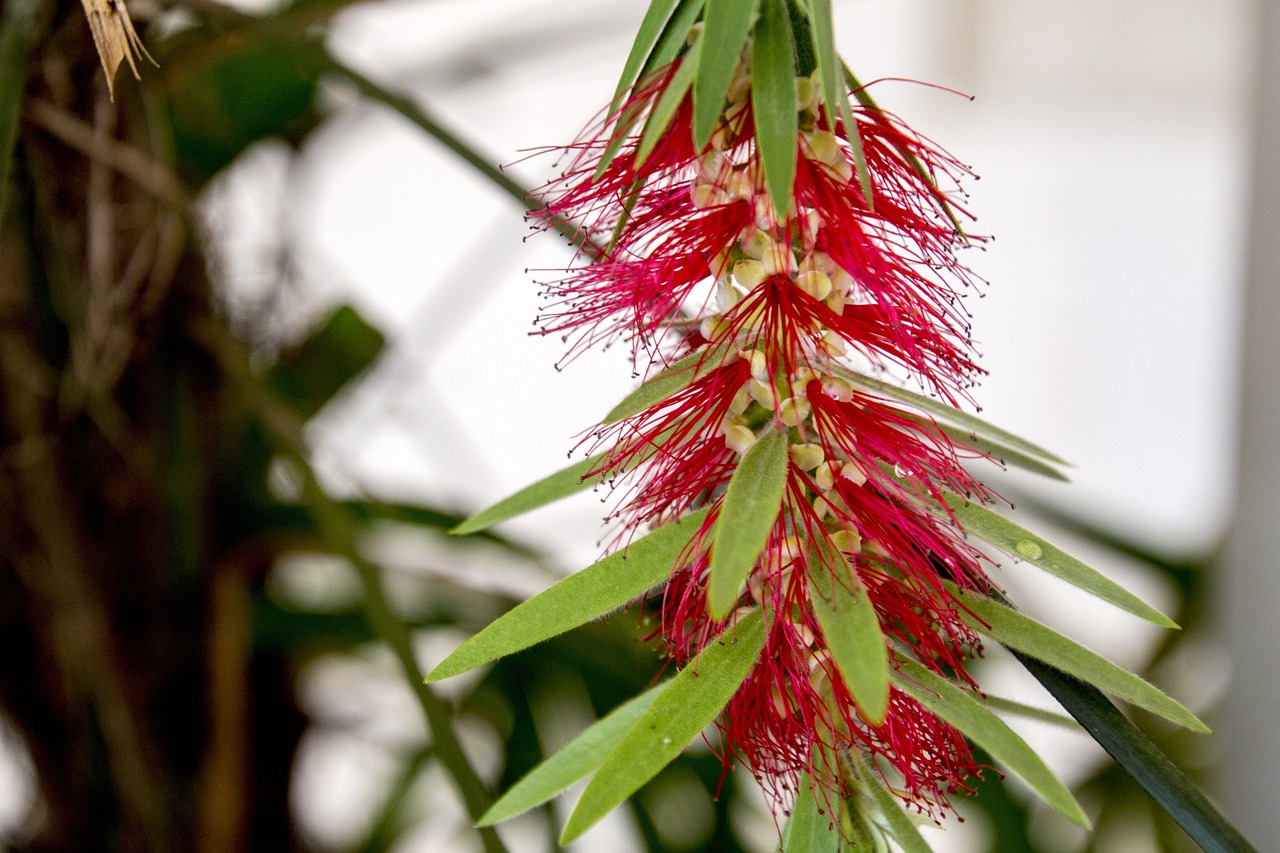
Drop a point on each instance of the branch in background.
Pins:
(337, 525)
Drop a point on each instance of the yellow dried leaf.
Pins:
(114, 36)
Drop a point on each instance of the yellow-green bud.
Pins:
(739, 438)
(814, 283)
(806, 456)
(750, 273)
(793, 411)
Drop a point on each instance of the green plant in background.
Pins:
(149, 671)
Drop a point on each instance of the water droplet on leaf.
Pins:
(1029, 549)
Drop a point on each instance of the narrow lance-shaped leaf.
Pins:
(725, 28)
(901, 827)
(675, 36)
(651, 26)
(833, 94)
(1001, 453)
(773, 102)
(956, 416)
(809, 829)
(577, 759)
(673, 380)
(655, 27)
(561, 484)
(1030, 712)
(662, 112)
(579, 598)
(852, 630)
(1022, 633)
(749, 511)
(989, 732)
(686, 707)
(1007, 536)
(1144, 761)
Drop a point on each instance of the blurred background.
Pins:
(267, 336)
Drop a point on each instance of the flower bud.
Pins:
(793, 411)
(806, 456)
(739, 438)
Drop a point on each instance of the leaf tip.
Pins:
(446, 669)
(467, 527)
(574, 829)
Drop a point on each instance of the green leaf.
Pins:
(1143, 760)
(852, 630)
(1019, 631)
(577, 759)
(833, 94)
(956, 416)
(651, 27)
(773, 101)
(749, 512)
(988, 731)
(561, 484)
(1001, 453)
(662, 112)
(675, 36)
(227, 95)
(338, 350)
(901, 827)
(1007, 536)
(808, 830)
(654, 25)
(725, 28)
(1030, 712)
(673, 380)
(686, 707)
(579, 598)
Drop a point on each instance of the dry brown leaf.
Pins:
(115, 37)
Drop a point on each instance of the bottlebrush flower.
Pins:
(771, 308)
(766, 248)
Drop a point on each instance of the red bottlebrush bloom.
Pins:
(693, 257)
